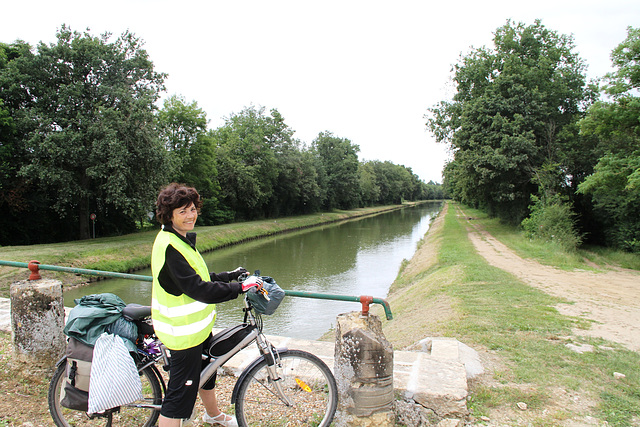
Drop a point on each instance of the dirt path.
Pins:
(611, 299)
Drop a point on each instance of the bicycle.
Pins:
(280, 387)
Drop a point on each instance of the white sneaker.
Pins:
(221, 419)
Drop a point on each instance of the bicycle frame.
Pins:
(265, 348)
(213, 366)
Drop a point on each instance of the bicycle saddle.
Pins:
(136, 311)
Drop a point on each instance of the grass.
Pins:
(608, 256)
(586, 257)
(24, 393)
(516, 324)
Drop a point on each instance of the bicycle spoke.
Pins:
(304, 381)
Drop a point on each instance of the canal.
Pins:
(357, 257)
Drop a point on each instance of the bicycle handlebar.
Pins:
(365, 300)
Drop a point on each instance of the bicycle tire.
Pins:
(305, 379)
(125, 416)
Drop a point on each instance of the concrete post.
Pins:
(364, 372)
(37, 322)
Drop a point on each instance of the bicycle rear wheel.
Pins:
(305, 380)
(123, 416)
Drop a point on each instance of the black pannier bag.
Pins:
(225, 340)
(260, 303)
(76, 386)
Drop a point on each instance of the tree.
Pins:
(25, 208)
(201, 172)
(296, 189)
(511, 113)
(338, 158)
(551, 218)
(87, 113)
(84, 109)
(389, 179)
(10, 151)
(368, 184)
(246, 161)
(626, 57)
(192, 158)
(615, 182)
(311, 197)
(433, 191)
(180, 124)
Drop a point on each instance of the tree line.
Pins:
(82, 134)
(534, 143)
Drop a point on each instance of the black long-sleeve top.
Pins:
(177, 277)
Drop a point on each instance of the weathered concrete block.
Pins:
(37, 322)
(363, 369)
(438, 385)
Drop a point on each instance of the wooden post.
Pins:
(364, 372)
(37, 322)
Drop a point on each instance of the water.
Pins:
(358, 257)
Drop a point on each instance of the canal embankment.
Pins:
(544, 362)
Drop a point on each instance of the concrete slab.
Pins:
(435, 383)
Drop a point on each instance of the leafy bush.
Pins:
(552, 221)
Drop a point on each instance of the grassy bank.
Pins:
(132, 252)
(447, 289)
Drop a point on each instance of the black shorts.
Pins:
(184, 381)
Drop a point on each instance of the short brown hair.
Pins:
(175, 196)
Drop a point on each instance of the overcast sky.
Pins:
(363, 70)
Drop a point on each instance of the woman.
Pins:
(184, 294)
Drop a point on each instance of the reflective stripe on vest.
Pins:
(179, 321)
(176, 331)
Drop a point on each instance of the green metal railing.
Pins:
(35, 266)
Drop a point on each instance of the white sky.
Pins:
(363, 70)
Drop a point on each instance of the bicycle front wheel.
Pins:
(125, 416)
(306, 382)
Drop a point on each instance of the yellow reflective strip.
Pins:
(179, 311)
(184, 330)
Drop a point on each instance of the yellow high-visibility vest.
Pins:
(179, 321)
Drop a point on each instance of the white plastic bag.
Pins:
(114, 377)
